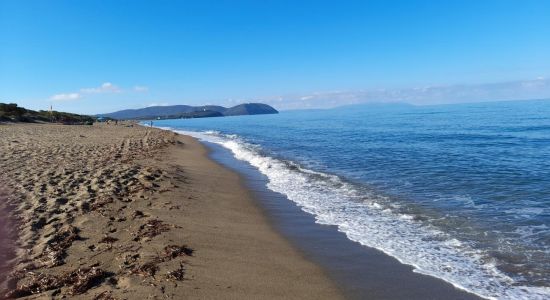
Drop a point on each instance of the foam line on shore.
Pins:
(370, 222)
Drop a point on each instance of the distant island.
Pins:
(187, 111)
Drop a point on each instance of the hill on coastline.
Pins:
(187, 111)
(13, 113)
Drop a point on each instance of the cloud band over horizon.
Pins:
(538, 88)
(513, 90)
(104, 88)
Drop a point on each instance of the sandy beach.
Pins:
(128, 212)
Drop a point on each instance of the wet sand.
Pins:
(360, 272)
(117, 212)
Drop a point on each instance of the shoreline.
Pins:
(360, 272)
(242, 218)
(132, 212)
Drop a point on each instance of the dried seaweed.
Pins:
(106, 295)
(173, 251)
(177, 274)
(58, 244)
(128, 260)
(78, 281)
(108, 240)
(100, 203)
(37, 283)
(151, 229)
(138, 214)
(83, 279)
(147, 269)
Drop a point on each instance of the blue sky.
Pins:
(100, 56)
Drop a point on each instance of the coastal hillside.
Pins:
(13, 113)
(186, 111)
(250, 109)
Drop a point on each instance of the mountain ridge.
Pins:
(188, 111)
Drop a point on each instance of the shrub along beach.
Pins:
(13, 113)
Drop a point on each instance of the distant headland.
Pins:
(187, 111)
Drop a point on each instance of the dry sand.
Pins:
(118, 212)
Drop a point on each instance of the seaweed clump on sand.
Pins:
(173, 251)
(82, 280)
(151, 229)
(106, 295)
(37, 283)
(178, 274)
(108, 240)
(147, 269)
(55, 251)
(78, 281)
(170, 252)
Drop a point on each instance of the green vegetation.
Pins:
(13, 113)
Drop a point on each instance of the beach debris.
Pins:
(38, 224)
(62, 189)
(58, 244)
(173, 251)
(100, 203)
(151, 268)
(106, 295)
(108, 240)
(36, 284)
(147, 269)
(83, 279)
(151, 229)
(78, 281)
(138, 214)
(172, 207)
(177, 274)
(128, 260)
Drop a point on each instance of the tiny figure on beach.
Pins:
(151, 124)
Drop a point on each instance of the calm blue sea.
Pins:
(460, 192)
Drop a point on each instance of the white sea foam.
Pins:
(526, 212)
(334, 202)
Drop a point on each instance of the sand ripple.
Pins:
(78, 193)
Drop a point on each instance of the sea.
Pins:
(459, 192)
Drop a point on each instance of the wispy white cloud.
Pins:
(65, 97)
(106, 87)
(157, 104)
(538, 88)
(514, 90)
(141, 89)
